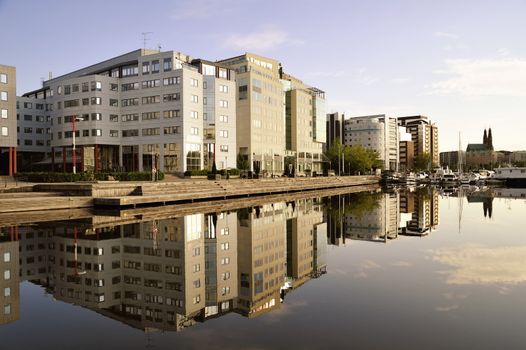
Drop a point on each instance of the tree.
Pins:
(423, 161)
(242, 162)
(214, 168)
(360, 159)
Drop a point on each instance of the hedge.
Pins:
(204, 172)
(70, 177)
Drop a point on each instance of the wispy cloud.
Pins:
(265, 39)
(501, 76)
(445, 35)
(446, 308)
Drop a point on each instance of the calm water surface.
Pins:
(406, 269)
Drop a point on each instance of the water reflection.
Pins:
(173, 272)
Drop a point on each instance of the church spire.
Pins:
(490, 139)
(485, 138)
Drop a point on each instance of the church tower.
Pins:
(490, 140)
(485, 138)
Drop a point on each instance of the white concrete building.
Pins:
(376, 132)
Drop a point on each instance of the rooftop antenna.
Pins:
(159, 47)
(145, 38)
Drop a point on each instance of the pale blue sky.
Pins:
(462, 63)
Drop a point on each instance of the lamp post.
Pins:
(74, 119)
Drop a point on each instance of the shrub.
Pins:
(70, 177)
(202, 172)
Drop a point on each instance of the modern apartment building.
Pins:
(407, 150)
(424, 135)
(376, 132)
(219, 114)
(8, 146)
(260, 111)
(139, 110)
(304, 125)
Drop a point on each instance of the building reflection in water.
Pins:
(171, 273)
(174, 272)
(381, 217)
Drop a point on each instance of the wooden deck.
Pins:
(148, 194)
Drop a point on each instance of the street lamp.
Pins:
(74, 119)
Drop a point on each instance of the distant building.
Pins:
(518, 157)
(481, 155)
(424, 135)
(334, 128)
(7, 120)
(376, 132)
(450, 159)
(407, 150)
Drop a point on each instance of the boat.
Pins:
(513, 176)
(449, 179)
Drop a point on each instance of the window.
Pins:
(169, 130)
(3, 78)
(151, 83)
(225, 246)
(223, 133)
(94, 101)
(172, 81)
(7, 292)
(114, 102)
(7, 257)
(71, 103)
(195, 98)
(225, 261)
(194, 131)
(146, 68)
(130, 133)
(223, 148)
(7, 275)
(130, 86)
(205, 100)
(223, 118)
(223, 88)
(130, 102)
(151, 115)
(194, 82)
(151, 99)
(96, 116)
(96, 132)
(130, 117)
(7, 309)
(29, 142)
(195, 115)
(85, 101)
(28, 118)
(171, 97)
(130, 71)
(225, 276)
(172, 114)
(114, 87)
(28, 130)
(155, 66)
(3, 114)
(85, 87)
(167, 64)
(150, 132)
(96, 86)
(114, 118)
(222, 73)
(223, 103)
(3, 96)
(243, 92)
(4, 131)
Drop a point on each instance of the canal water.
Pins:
(405, 269)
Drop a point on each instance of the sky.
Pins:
(461, 63)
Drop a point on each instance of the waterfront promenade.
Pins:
(112, 194)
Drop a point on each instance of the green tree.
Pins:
(360, 159)
(242, 162)
(423, 161)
